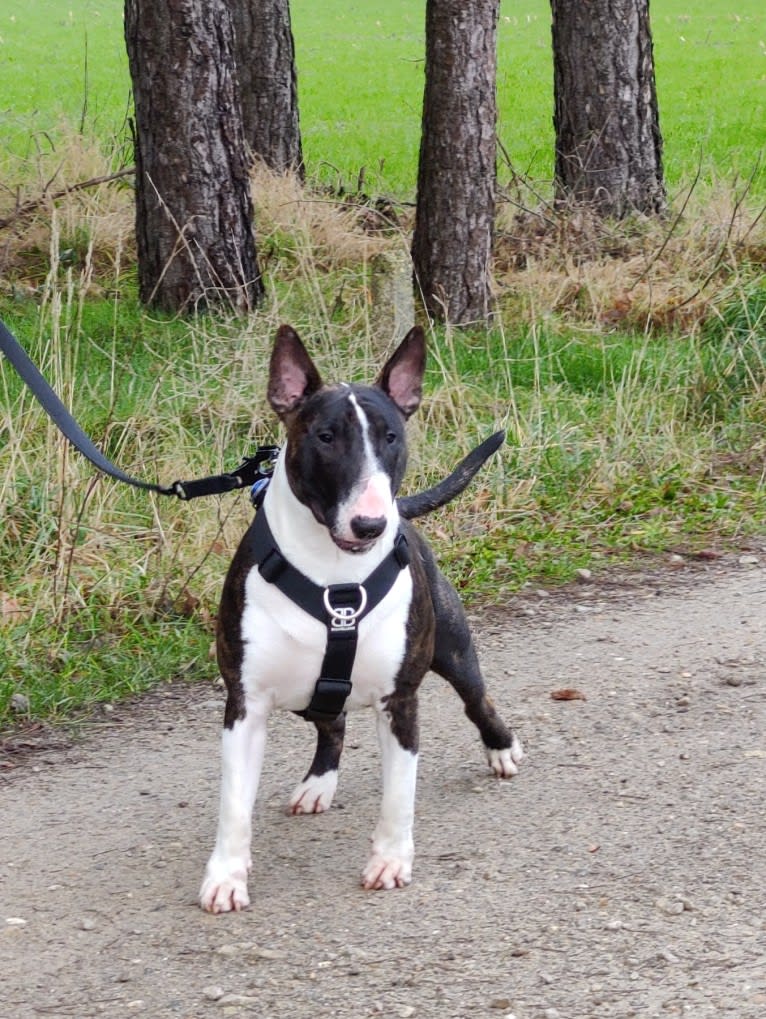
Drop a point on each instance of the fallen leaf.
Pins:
(11, 610)
(568, 694)
(187, 604)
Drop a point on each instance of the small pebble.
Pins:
(671, 907)
(257, 952)
(87, 924)
(212, 992)
(19, 703)
(583, 576)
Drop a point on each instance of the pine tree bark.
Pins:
(608, 141)
(268, 82)
(452, 243)
(193, 205)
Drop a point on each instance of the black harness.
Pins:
(341, 607)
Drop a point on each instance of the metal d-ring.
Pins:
(344, 617)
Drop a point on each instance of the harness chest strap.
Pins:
(340, 607)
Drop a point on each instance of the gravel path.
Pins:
(623, 873)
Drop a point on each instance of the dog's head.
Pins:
(346, 451)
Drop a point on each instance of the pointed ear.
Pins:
(402, 375)
(292, 374)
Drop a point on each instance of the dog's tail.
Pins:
(411, 506)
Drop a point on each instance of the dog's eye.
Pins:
(391, 438)
(325, 437)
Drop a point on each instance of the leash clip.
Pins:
(258, 491)
(344, 617)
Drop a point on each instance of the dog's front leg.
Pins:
(315, 793)
(393, 849)
(224, 887)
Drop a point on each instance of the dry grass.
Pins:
(314, 227)
(45, 194)
(643, 274)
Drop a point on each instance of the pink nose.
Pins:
(373, 503)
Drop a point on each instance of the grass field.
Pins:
(361, 76)
(627, 363)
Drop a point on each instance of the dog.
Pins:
(330, 525)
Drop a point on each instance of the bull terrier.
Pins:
(334, 602)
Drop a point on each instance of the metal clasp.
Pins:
(344, 617)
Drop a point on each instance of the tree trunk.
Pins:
(268, 82)
(193, 206)
(454, 221)
(608, 141)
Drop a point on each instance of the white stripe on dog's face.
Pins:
(371, 498)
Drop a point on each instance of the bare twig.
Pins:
(523, 179)
(658, 254)
(725, 243)
(34, 203)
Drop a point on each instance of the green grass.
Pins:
(61, 61)
(361, 77)
(95, 662)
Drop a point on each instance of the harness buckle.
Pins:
(344, 616)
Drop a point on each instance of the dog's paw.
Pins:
(314, 794)
(386, 870)
(505, 763)
(224, 891)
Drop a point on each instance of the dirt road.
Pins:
(623, 873)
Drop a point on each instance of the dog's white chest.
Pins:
(284, 646)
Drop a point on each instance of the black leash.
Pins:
(340, 607)
(247, 473)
